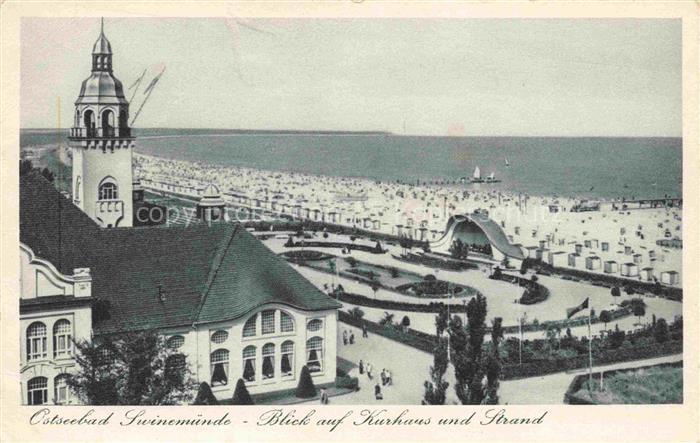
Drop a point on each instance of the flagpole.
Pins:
(590, 352)
(520, 342)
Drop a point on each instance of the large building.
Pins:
(222, 299)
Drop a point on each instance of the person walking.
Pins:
(369, 371)
(364, 331)
(345, 338)
(324, 396)
(362, 367)
(352, 338)
(383, 377)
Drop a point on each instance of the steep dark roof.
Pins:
(205, 273)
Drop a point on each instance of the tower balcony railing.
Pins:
(108, 132)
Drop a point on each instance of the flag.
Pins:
(573, 311)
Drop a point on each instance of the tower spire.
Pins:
(102, 26)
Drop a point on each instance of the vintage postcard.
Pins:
(349, 221)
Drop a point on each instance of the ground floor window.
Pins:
(37, 391)
(268, 362)
(314, 350)
(60, 389)
(287, 366)
(249, 364)
(219, 367)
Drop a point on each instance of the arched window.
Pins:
(249, 363)
(314, 325)
(287, 364)
(60, 389)
(36, 341)
(176, 342)
(249, 327)
(219, 367)
(268, 362)
(107, 123)
(62, 334)
(89, 122)
(268, 321)
(286, 322)
(37, 391)
(108, 189)
(219, 337)
(314, 354)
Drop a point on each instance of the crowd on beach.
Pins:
(422, 211)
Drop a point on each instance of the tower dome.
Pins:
(102, 45)
(211, 196)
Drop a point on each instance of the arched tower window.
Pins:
(314, 354)
(89, 122)
(107, 123)
(108, 189)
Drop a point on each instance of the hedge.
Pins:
(432, 307)
(542, 367)
(338, 245)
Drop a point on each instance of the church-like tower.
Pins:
(102, 145)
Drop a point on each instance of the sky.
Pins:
(473, 77)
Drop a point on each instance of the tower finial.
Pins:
(102, 25)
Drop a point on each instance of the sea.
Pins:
(585, 167)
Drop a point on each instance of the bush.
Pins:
(305, 388)
(430, 277)
(394, 272)
(615, 291)
(205, 396)
(347, 382)
(661, 331)
(405, 322)
(241, 395)
(356, 312)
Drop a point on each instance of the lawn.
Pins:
(653, 385)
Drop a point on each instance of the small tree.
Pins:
(496, 273)
(661, 331)
(523, 268)
(436, 389)
(639, 311)
(305, 388)
(394, 272)
(605, 317)
(241, 395)
(205, 396)
(378, 247)
(387, 320)
(615, 291)
(405, 322)
(290, 242)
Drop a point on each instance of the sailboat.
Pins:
(476, 177)
(492, 178)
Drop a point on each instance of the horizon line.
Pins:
(367, 132)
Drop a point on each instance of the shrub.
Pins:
(405, 322)
(357, 312)
(661, 331)
(394, 272)
(605, 317)
(305, 388)
(347, 382)
(205, 396)
(290, 242)
(241, 395)
(429, 277)
(615, 291)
